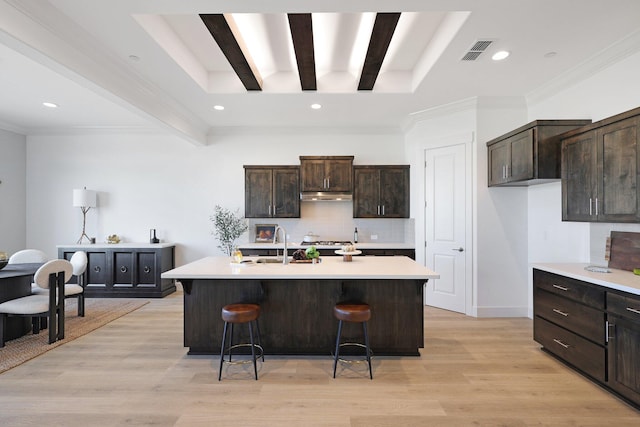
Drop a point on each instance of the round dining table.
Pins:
(15, 282)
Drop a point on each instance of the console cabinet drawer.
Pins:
(585, 321)
(576, 290)
(588, 357)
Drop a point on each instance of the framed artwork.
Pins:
(265, 233)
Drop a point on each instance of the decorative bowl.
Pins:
(4, 260)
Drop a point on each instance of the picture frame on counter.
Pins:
(265, 233)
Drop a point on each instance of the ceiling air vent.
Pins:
(478, 47)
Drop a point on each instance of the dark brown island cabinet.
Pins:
(381, 191)
(600, 166)
(326, 173)
(529, 154)
(272, 191)
(125, 270)
(592, 328)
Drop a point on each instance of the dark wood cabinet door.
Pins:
(617, 186)
(146, 270)
(312, 175)
(286, 193)
(624, 354)
(122, 269)
(520, 166)
(97, 272)
(366, 192)
(339, 175)
(258, 185)
(579, 169)
(394, 192)
(499, 155)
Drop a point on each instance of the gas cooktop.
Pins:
(327, 243)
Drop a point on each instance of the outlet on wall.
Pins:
(374, 237)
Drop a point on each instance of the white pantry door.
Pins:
(445, 219)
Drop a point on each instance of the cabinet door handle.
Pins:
(590, 206)
(147, 269)
(562, 313)
(123, 269)
(596, 206)
(503, 172)
(562, 288)
(633, 310)
(269, 210)
(97, 269)
(561, 343)
(382, 210)
(328, 183)
(507, 169)
(378, 210)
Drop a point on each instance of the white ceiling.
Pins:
(77, 53)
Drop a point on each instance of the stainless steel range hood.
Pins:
(320, 196)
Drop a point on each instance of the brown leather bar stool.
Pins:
(352, 312)
(240, 313)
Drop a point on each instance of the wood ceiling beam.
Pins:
(302, 34)
(383, 29)
(225, 33)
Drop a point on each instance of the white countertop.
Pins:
(621, 280)
(362, 267)
(131, 245)
(297, 245)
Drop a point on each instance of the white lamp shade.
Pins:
(84, 198)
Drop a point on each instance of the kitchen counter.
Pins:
(297, 302)
(298, 245)
(329, 268)
(621, 280)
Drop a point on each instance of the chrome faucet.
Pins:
(285, 258)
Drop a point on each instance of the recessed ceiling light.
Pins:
(316, 106)
(50, 105)
(134, 58)
(218, 107)
(550, 54)
(500, 55)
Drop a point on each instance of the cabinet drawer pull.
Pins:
(97, 269)
(146, 269)
(561, 343)
(123, 269)
(562, 288)
(633, 310)
(555, 310)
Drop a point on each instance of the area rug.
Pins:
(98, 312)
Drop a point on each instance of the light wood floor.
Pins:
(135, 371)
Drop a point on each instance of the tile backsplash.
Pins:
(334, 221)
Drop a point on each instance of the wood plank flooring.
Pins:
(472, 372)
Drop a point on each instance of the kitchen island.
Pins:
(297, 302)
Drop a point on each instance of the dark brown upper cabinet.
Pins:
(326, 173)
(528, 155)
(272, 191)
(381, 191)
(600, 165)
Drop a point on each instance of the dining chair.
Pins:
(79, 262)
(51, 276)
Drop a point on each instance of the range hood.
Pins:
(320, 196)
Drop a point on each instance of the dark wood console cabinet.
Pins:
(592, 328)
(528, 155)
(125, 271)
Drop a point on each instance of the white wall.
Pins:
(158, 181)
(13, 190)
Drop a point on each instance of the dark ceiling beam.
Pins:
(383, 29)
(302, 34)
(224, 32)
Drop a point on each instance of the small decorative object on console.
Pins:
(113, 239)
(4, 260)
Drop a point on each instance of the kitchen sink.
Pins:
(269, 261)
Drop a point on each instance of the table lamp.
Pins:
(85, 200)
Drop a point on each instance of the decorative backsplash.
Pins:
(334, 221)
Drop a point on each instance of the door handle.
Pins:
(459, 250)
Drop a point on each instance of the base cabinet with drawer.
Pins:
(125, 270)
(592, 328)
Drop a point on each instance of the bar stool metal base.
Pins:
(365, 346)
(240, 313)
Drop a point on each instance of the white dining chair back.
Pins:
(28, 256)
(79, 262)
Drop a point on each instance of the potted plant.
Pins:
(228, 227)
